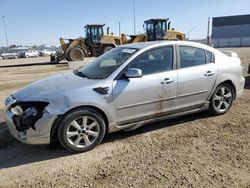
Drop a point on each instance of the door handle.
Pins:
(167, 81)
(209, 73)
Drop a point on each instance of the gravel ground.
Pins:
(198, 150)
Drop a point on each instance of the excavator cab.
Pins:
(156, 29)
(94, 34)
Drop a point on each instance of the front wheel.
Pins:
(222, 99)
(76, 54)
(81, 130)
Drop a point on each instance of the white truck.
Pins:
(47, 52)
(30, 53)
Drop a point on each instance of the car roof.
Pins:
(142, 45)
(156, 19)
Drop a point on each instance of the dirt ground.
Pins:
(198, 150)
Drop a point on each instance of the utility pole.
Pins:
(208, 31)
(119, 29)
(134, 16)
(5, 31)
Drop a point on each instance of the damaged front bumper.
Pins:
(40, 134)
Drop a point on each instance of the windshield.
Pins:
(156, 30)
(106, 64)
(94, 34)
(160, 29)
(149, 28)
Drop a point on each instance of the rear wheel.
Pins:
(76, 54)
(222, 99)
(81, 130)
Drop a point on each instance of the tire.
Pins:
(77, 136)
(107, 48)
(222, 99)
(56, 57)
(52, 58)
(76, 54)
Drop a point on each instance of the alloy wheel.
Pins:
(223, 99)
(83, 131)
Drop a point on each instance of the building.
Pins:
(231, 31)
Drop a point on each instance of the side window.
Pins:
(191, 56)
(154, 61)
(209, 57)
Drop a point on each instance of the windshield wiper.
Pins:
(78, 73)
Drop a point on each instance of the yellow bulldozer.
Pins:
(159, 29)
(94, 44)
(155, 29)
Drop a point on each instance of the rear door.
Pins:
(196, 77)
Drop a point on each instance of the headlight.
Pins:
(26, 114)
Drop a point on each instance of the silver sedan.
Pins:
(124, 88)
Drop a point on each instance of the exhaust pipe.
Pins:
(169, 25)
(107, 30)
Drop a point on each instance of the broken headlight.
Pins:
(26, 114)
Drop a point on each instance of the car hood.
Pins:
(52, 86)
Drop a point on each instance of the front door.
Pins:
(153, 94)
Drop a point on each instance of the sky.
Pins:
(35, 22)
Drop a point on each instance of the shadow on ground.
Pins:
(156, 126)
(14, 153)
(34, 64)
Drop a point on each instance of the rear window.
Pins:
(191, 56)
(209, 57)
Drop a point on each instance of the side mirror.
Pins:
(133, 73)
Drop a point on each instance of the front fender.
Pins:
(62, 104)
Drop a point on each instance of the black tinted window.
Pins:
(154, 61)
(191, 56)
(209, 57)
